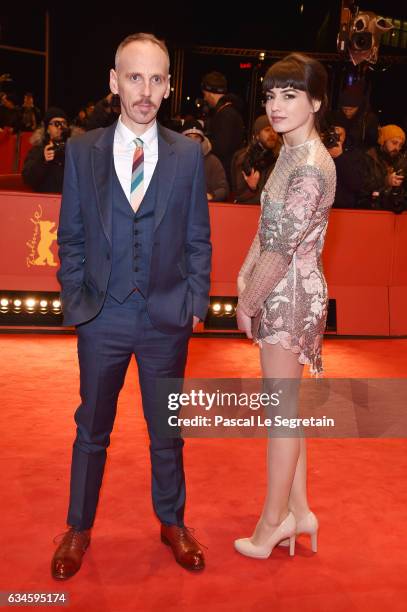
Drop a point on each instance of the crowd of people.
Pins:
(370, 160)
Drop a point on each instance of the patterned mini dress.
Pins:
(285, 286)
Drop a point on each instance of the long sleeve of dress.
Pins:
(251, 258)
(299, 217)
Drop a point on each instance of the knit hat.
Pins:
(390, 131)
(214, 82)
(53, 112)
(260, 123)
(192, 126)
(351, 96)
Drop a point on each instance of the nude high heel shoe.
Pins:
(285, 530)
(309, 526)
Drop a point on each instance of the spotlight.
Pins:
(262, 56)
(222, 314)
(22, 308)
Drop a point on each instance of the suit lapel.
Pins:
(166, 168)
(102, 169)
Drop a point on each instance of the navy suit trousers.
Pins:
(105, 347)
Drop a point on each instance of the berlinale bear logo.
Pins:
(40, 244)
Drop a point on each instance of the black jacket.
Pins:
(43, 176)
(349, 177)
(225, 132)
(375, 170)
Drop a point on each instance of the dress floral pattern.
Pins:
(285, 284)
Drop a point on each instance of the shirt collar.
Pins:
(127, 137)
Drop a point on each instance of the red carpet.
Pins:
(358, 490)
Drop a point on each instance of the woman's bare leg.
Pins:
(286, 457)
(298, 501)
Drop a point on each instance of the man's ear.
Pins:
(168, 90)
(113, 81)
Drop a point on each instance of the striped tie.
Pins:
(137, 176)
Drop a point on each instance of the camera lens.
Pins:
(362, 41)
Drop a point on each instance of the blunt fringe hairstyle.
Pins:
(304, 73)
(141, 37)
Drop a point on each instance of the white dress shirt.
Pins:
(123, 151)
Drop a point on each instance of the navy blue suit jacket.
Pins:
(181, 251)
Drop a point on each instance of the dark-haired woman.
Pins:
(282, 290)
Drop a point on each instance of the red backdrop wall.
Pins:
(365, 257)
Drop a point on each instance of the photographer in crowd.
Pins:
(348, 164)
(360, 123)
(44, 165)
(384, 170)
(217, 187)
(252, 165)
(104, 113)
(225, 127)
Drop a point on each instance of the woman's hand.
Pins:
(244, 322)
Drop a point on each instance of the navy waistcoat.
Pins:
(132, 238)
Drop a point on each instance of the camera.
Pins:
(59, 145)
(257, 158)
(361, 41)
(331, 138)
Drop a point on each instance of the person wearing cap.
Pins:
(252, 165)
(361, 125)
(43, 167)
(217, 187)
(225, 125)
(384, 170)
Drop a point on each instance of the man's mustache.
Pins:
(144, 101)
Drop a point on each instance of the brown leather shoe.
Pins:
(68, 556)
(186, 548)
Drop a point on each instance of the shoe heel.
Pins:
(292, 546)
(165, 540)
(314, 542)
